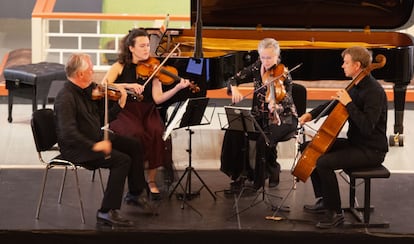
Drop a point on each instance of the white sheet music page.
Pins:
(175, 120)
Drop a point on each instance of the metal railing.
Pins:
(55, 35)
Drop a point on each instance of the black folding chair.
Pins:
(45, 138)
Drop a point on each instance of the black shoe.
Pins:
(274, 179)
(237, 185)
(235, 188)
(318, 207)
(155, 196)
(112, 218)
(257, 186)
(139, 201)
(331, 220)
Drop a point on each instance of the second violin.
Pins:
(166, 74)
(113, 93)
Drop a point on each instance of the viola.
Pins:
(113, 93)
(167, 75)
(276, 91)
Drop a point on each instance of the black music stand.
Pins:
(240, 119)
(193, 116)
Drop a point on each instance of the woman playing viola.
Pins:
(141, 119)
(278, 128)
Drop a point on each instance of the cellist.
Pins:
(366, 142)
(282, 122)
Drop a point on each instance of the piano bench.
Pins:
(31, 81)
(366, 174)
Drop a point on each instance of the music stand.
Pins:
(193, 116)
(241, 119)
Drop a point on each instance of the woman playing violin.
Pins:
(278, 124)
(141, 119)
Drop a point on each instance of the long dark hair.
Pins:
(125, 55)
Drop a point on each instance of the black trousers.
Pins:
(266, 154)
(235, 152)
(125, 162)
(342, 155)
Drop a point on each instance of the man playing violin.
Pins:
(142, 120)
(79, 118)
(366, 143)
(276, 116)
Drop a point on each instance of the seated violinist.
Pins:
(274, 111)
(79, 114)
(141, 119)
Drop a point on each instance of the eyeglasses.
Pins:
(267, 57)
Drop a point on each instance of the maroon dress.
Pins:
(142, 120)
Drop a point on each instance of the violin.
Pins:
(113, 93)
(276, 91)
(166, 74)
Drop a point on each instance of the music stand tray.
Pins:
(191, 114)
(239, 119)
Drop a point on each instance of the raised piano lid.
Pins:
(303, 23)
(306, 14)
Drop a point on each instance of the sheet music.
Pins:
(237, 116)
(175, 120)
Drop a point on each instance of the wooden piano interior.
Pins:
(219, 42)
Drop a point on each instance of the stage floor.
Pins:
(20, 188)
(202, 218)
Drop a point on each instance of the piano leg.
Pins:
(400, 91)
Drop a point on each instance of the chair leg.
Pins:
(363, 218)
(352, 192)
(62, 185)
(42, 191)
(367, 200)
(100, 178)
(93, 175)
(79, 195)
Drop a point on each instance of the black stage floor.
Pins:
(200, 220)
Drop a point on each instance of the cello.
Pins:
(330, 128)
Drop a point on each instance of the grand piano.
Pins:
(225, 35)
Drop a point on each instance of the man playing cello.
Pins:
(366, 144)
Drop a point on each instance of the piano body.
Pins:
(225, 35)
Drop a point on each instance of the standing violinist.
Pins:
(262, 108)
(366, 143)
(141, 119)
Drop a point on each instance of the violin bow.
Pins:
(106, 122)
